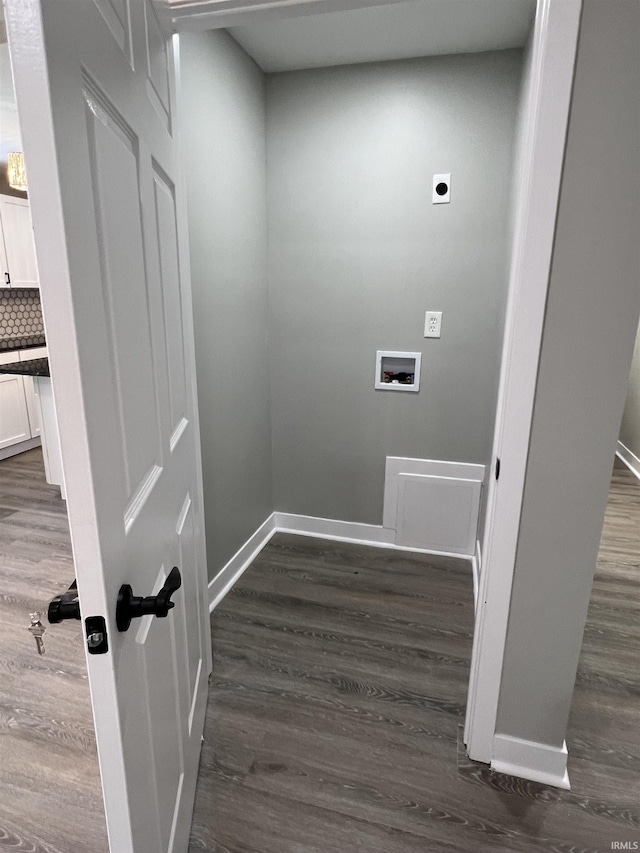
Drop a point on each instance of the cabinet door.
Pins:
(4, 266)
(14, 418)
(33, 404)
(18, 241)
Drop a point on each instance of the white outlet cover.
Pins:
(440, 195)
(432, 324)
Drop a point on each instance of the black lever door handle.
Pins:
(130, 606)
(65, 606)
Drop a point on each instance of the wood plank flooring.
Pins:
(337, 701)
(50, 795)
(336, 705)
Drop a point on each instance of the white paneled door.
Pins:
(95, 82)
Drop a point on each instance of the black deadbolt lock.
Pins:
(65, 606)
(130, 606)
(442, 188)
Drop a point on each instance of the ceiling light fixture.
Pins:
(16, 172)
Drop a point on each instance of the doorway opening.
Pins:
(319, 241)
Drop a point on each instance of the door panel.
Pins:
(157, 62)
(169, 276)
(117, 16)
(113, 154)
(191, 663)
(106, 197)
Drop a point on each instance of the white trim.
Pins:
(629, 458)
(328, 528)
(317, 528)
(476, 566)
(214, 14)
(527, 759)
(240, 562)
(538, 180)
(20, 447)
(350, 531)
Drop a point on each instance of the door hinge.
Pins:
(498, 468)
(96, 631)
(7, 278)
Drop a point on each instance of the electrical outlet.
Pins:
(432, 324)
(441, 189)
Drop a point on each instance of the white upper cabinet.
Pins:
(17, 253)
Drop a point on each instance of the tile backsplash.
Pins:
(20, 313)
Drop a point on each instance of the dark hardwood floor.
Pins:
(50, 796)
(337, 700)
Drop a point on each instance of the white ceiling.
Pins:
(396, 31)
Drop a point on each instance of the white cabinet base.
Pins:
(14, 418)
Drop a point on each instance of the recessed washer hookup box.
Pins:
(397, 371)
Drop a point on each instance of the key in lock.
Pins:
(37, 630)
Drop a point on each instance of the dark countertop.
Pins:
(33, 367)
(24, 342)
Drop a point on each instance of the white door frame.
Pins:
(538, 178)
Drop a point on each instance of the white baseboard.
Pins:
(240, 562)
(14, 449)
(527, 759)
(306, 525)
(476, 566)
(350, 531)
(629, 458)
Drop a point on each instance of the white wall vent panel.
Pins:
(433, 504)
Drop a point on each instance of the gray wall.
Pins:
(357, 253)
(630, 429)
(224, 144)
(590, 327)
